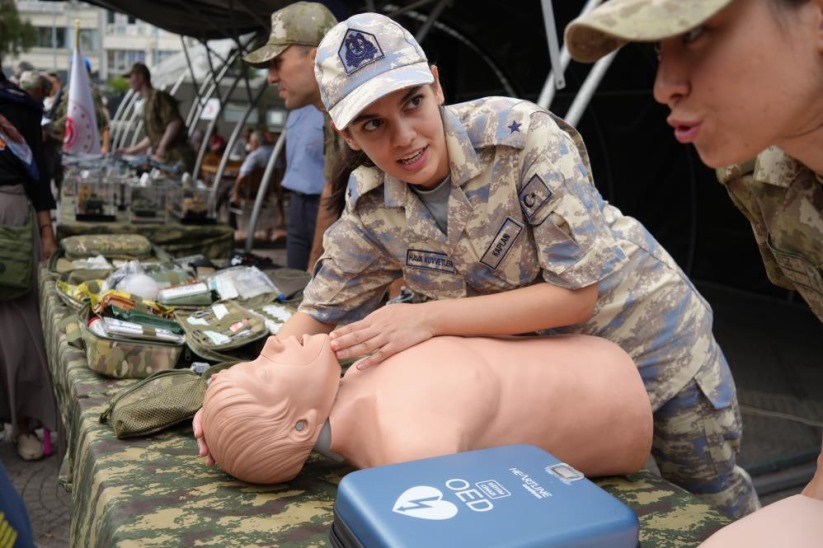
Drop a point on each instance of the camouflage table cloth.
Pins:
(213, 241)
(155, 491)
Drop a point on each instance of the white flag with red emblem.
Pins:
(81, 135)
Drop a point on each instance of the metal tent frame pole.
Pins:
(547, 93)
(124, 105)
(442, 27)
(551, 38)
(238, 129)
(125, 121)
(214, 89)
(263, 190)
(584, 96)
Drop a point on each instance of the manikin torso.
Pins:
(580, 398)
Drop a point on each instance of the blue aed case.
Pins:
(513, 496)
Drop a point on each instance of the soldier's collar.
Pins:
(777, 168)
(463, 162)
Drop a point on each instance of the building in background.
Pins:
(114, 41)
(111, 41)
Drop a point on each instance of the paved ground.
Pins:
(773, 347)
(48, 503)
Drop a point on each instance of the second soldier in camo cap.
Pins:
(618, 22)
(744, 82)
(311, 150)
(296, 31)
(488, 209)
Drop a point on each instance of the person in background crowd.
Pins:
(26, 394)
(39, 86)
(55, 95)
(166, 132)
(304, 179)
(196, 140)
(289, 54)
(249, 178)
(52, 143)
(217, 144)
(36, 84)
(241, 145)
(744, 82)
(19, 69)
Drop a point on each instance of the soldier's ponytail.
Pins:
(347, 162)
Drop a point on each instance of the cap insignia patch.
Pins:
(358, 50)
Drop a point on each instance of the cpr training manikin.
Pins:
(579, 397)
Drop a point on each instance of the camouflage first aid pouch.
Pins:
(112, 246)
(223, 331)
(125, 357)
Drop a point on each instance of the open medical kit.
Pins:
(514, 496)
(127, 337)
(220, 331)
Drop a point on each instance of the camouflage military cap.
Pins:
(136, 68)
(301, 23)
(364, 58)
(617, 22)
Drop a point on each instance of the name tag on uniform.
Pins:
(430, 260)
(533, 196)
(502, 243)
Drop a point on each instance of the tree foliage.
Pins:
(15, 34)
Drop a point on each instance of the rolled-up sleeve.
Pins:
(351, 277)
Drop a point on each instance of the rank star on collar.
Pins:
(515, 126)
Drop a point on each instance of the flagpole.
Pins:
(76, 33)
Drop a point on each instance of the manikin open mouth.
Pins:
(413, 157)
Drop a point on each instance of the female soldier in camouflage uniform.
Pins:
(488, 209)
(744, 82)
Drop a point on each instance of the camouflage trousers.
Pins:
(696, 446)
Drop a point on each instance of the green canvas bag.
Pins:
(158, 402)
(16, 259)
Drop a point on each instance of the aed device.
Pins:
(514, 496)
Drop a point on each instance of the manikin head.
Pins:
(262, 418)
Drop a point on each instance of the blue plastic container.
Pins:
(513, 496)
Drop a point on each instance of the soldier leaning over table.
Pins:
(166, 132)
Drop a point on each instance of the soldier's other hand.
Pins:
(200, 436)
(383, 333)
